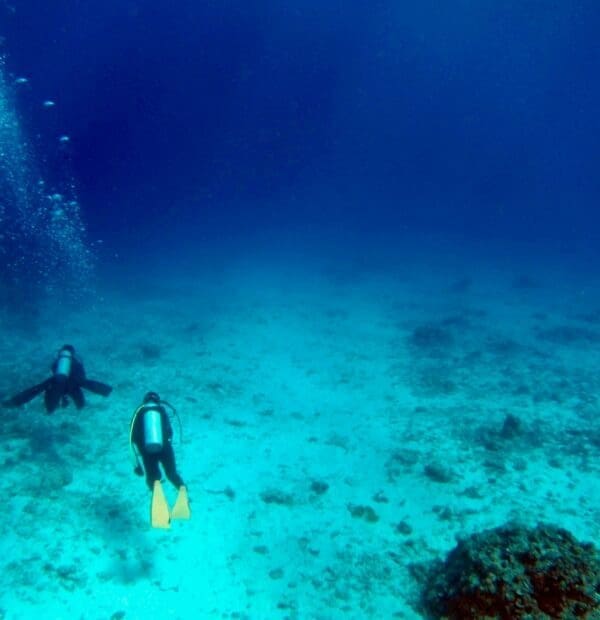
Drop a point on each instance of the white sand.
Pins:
(282, 377)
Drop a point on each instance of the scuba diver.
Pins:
(150, 435)
(67, 381)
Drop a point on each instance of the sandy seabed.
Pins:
(339, 429)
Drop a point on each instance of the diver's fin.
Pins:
(159, 511)
(181, 509)
(97, 387)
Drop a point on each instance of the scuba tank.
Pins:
(153, 438)
(64, 361)
(153, 435)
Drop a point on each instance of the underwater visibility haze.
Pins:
(339, 260)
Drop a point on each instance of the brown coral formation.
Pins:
(514, 572)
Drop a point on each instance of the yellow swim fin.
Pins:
(159, 511)
(181, 509)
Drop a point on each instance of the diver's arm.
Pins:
(133, 446)
(167, 424)
(96, 387)
(77, 372)
(26, 395)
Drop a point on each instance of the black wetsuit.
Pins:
(166, 456)
(58, 388)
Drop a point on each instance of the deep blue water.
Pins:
(192, 122)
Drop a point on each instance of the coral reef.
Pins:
(319, 487)
(366, 513)
(439, 472)
(431, 337)
(514, 572)
(276, 496)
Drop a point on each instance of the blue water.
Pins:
(235, 117)
(379, 160)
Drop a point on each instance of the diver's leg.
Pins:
(53, 394)
(167, 458)
(181, 508)
(150, 462)
(76, 394)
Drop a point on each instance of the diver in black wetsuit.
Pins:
(150, 437)
(67, 381)
(153, 443)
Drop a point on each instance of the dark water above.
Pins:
(327, 124)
